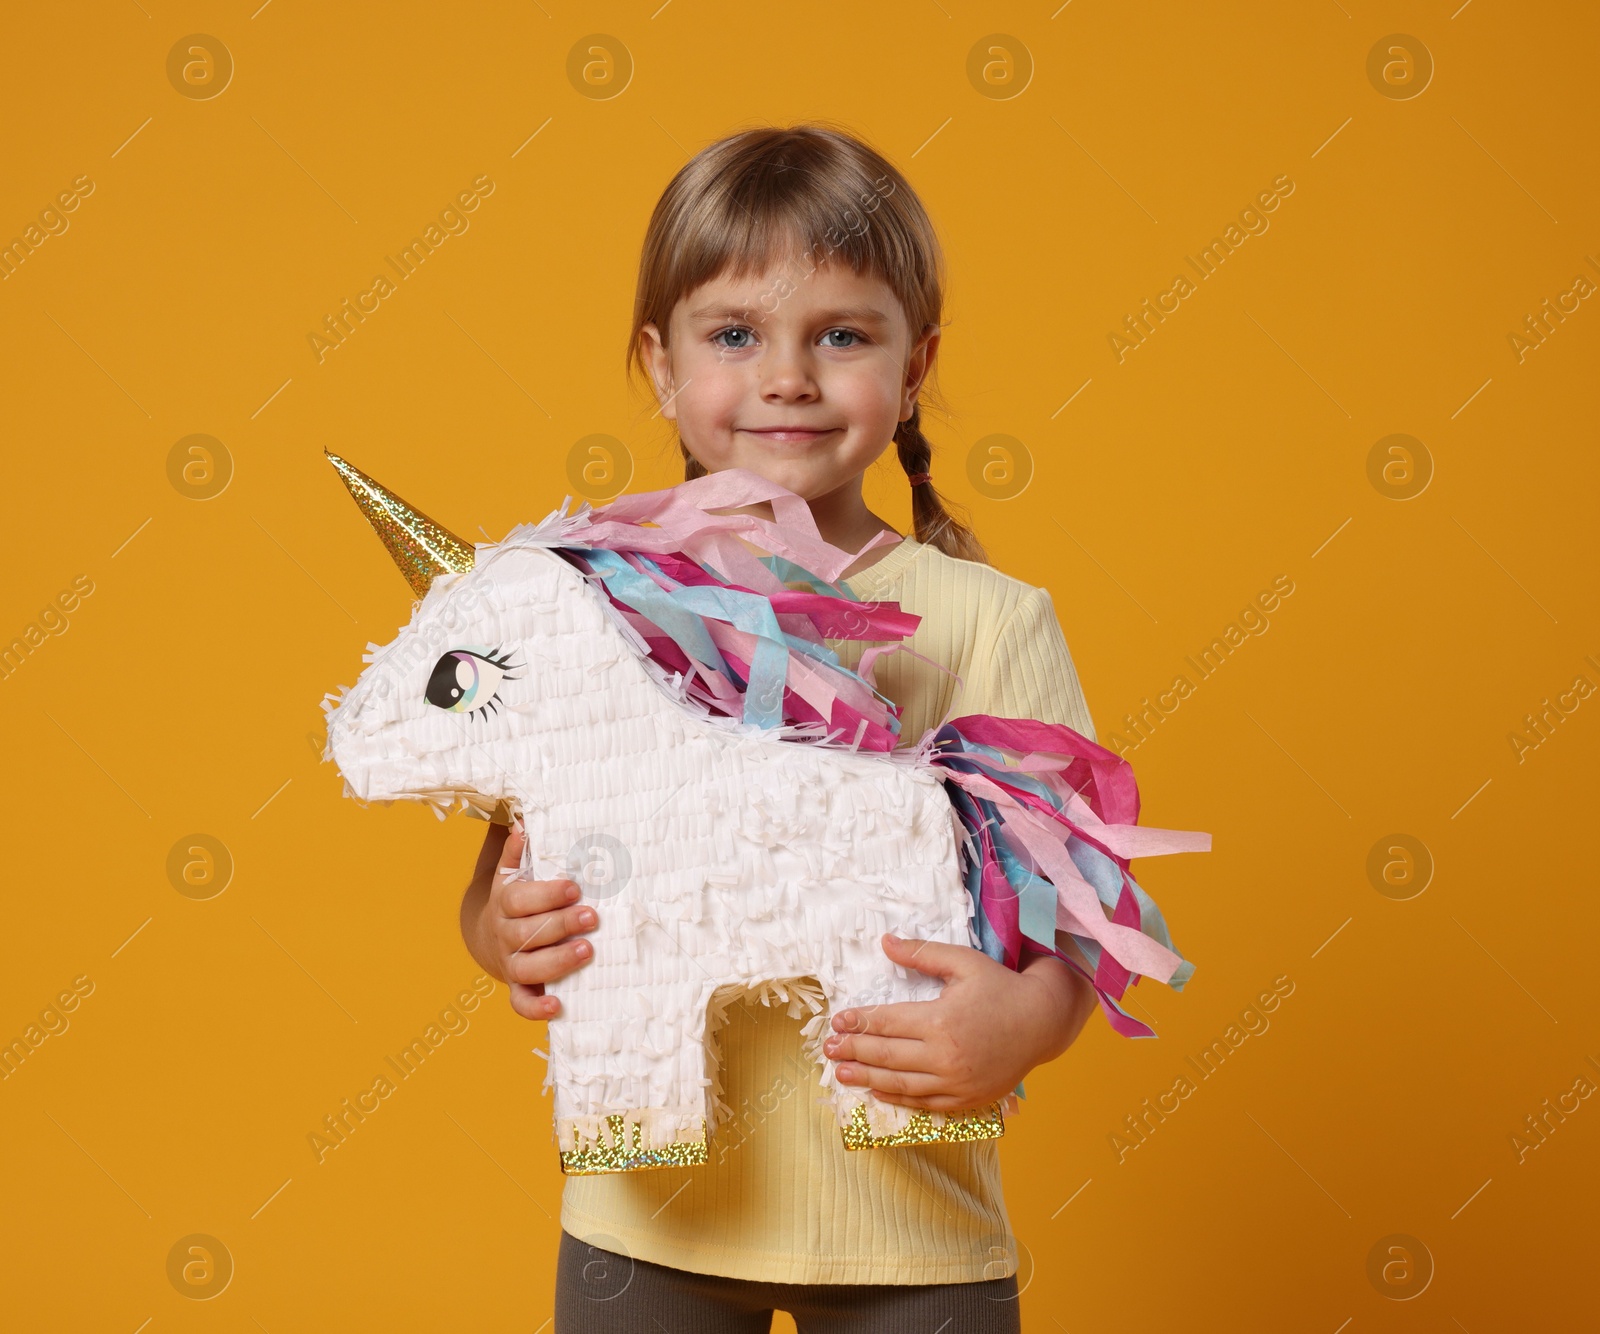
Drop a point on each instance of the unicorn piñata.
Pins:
(655, 702)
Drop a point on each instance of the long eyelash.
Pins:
(501, 658)
(493, 706)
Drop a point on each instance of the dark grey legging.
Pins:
(601, 1292)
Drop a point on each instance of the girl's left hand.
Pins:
(988, 1028)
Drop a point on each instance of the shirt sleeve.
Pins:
(1030, 673)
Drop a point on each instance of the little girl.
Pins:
(788, 313)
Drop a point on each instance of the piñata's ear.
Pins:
(420, 547)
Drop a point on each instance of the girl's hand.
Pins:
(524, 928)
(972, 1045)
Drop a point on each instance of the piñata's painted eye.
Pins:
(466, 681)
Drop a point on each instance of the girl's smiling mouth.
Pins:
(798, 435)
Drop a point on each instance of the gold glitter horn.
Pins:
(420, 547)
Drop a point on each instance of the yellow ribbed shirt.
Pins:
(780, 1198)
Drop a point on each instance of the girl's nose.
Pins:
(787, 377)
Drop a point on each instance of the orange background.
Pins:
(182, 695)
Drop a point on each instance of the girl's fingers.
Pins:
(532, 933)
(893, 1019)
(936, 958)
(531, 1002)
(511, 850)
(891, 1053)
(523, 898)
(932, 1103)
(904, 1083)
(545, 929)
(550, 964)
(911, 1089)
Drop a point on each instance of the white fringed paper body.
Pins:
(715, 854)
(724, 858)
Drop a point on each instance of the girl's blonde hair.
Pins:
(738, 205)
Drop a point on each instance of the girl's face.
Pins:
(803, 384)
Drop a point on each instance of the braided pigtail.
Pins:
(931, 522)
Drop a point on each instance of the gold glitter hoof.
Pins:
(626, 1153)
(958, 1128)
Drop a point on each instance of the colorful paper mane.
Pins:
(1043, 820)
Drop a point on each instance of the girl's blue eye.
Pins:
(746, 335)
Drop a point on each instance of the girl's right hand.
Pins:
(526, 924)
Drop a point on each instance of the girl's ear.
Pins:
(660, 366)
(918, 364)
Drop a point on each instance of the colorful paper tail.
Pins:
(1048, 839)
